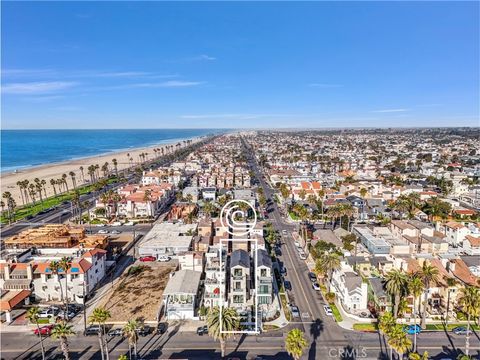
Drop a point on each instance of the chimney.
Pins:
(7, 272)
(29, 272)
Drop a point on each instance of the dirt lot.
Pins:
(138, 293)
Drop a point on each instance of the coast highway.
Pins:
(188, 345)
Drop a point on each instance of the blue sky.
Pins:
(182, 65)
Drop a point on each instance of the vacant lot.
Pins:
(138, 293)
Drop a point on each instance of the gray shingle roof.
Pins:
(183, 282)
(263, 259)
(240, 257)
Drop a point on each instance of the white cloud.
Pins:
(389, 110)
(206, 57)
(36, 87)
(325, 86)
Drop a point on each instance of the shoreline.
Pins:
(9, 179)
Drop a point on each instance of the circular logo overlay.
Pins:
(239, 217)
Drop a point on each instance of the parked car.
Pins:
(69, 314)
(287, 285)
(44, 330)
(144, 330)
(284, 232)
(328, 310)
(302, 255)
(148, 258)
(412, 329)
(162, 328)
(283, 271)
(297, 244)
(115, 332)
(103, 231)
(92, 330)
(312, 277)
(49, 312)
(295, 311)
(116, 232)
(461, 330)
(130, 223)
(164, 258)
(202, 330)
(315, 286)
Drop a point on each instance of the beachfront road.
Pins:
(188, 345)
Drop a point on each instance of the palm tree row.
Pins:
(10, 204)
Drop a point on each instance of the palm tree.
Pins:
(55, 268)
(295, 343)
(399, 341)
(64, 181)
(130, 331)
(470, 302)
(115, 166)
(33, 316)
(396, 286)
(429, 274)
(100, 316)
(53, 182)
(220, 323)
(415, 288)
(65, 264)
(386, 322)
(83, 175)
(451, 284)
(61, 331)
(20, 186)
(74, 182)
(326, 264)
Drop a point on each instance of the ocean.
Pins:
(22, 149)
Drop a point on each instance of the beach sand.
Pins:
(55, 170)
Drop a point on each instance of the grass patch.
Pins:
(285, 307)
(270, 327)
(292, 215)
(32, 210)
(42, 321)
(365, 327)
(450, 327)
(336, 313)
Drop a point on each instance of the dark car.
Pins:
(283, 270)
(312, 277)
(202, 330)
(144, 330)
(288, 285)
(92, 330)
(162, 328)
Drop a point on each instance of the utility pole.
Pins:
(84, 310)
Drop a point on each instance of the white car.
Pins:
(103, 231)
(315, 286)
(328, 310)
(303, 256)
(130, 223)
(164, 258)
(284, 232)
(297, 244)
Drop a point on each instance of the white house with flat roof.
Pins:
(167, 239)
(180, 296)
(375, 245)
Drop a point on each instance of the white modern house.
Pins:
(180, 297)
(214, 291)
(350, 289)
(240, 280)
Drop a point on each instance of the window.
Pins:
(263, 300)
(237, 285)
(237, 272)
(263, 272)
(263, 289)
(238, 299)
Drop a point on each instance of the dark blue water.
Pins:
(27, 148)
